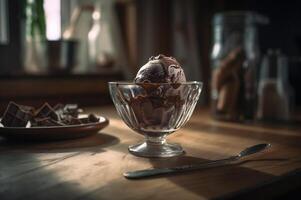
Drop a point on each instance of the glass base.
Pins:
(156, 147)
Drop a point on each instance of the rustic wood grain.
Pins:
(91, 168)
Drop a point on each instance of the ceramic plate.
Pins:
(54, 132)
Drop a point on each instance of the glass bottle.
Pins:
(274, 91)
(100, 40)
(35, 37)
(100, 44)
(234, 61)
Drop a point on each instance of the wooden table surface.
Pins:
(92, 167)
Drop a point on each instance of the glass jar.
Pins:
(234, 62)
(275, 94)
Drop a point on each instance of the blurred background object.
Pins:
(63, 45)
(95, 26)
(275, 95)
(3, 22)
(235, 61)
(61, 56)
(35, 37)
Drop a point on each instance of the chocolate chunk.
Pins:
(29, 109)
(90, 119)
(75, 121)
(58, 107)
(93, 118)
(59, 110)
(69, 120)
(85, 120)
(72, 109)
(46, 122)
(16, 115)
(46, 111)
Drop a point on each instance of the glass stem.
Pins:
(156, 140)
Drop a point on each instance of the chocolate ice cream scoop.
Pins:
(161, 69)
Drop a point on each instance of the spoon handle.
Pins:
(184, 168)
(157, 171)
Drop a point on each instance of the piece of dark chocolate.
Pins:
(46, 122)
(84, 120)
(29, 109)
(16, 115)
(59, 110)
(90, 119)
(93, 118)
(58, 106)
(69, 120)
(46, 111)
(72, 109)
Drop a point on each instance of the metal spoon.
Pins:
(159, 171)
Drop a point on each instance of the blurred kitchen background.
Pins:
(247, 52)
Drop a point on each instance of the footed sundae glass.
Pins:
(155, 110)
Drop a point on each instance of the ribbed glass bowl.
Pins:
(155, 110)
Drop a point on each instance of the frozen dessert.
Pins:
(161, 69)
(163, 94)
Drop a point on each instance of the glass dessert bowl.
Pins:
(155, 110)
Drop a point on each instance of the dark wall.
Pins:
(284, 30)
(10, 54)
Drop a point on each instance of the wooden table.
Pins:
(91, 168)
